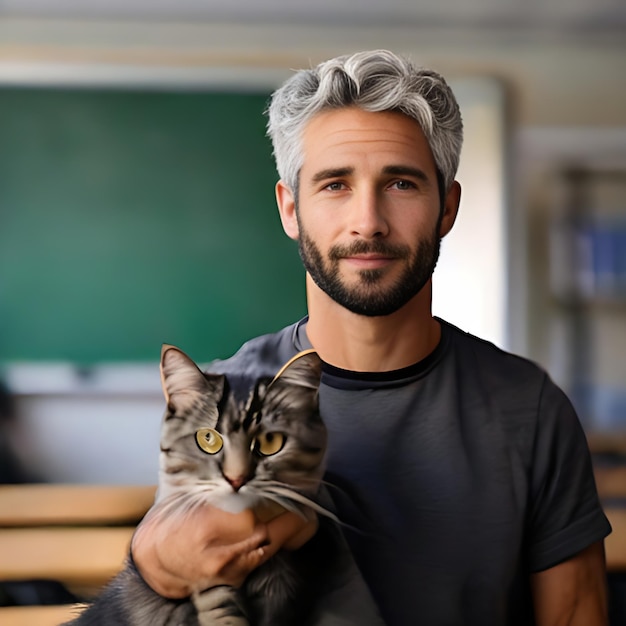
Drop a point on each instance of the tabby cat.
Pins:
(234, 446)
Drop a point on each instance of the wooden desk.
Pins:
(75, 534)
(58, 504)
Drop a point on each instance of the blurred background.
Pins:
(137, 207)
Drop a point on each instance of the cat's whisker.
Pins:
(275, 489)
(285, 503)
(334, 488)
(291, 496)
(184, 502)
(267, 483)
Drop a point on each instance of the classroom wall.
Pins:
(559, 81)
(553, 86)
(177, 240)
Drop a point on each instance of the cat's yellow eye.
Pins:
(269, 443)
(209, 440)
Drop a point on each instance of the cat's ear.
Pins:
(304, 369)
(182, 380)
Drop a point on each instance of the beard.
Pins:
(369, 297)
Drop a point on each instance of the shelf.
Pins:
(575, 300)
(588, 259)
(607, 442)
(586, 327)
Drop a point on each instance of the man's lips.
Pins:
(369, 261)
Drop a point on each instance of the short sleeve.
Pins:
(565, 511)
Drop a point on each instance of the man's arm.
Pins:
(573, 593)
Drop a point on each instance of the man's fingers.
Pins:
(233, 551)
(216, 548)
(159, 575)
(291, 531)
(231, 564)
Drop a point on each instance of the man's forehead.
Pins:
(346, 121)
(336, 139)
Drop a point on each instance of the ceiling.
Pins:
(561, 15)
(555, 56)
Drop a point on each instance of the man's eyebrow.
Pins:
(394, 170)
(333, 172)
(407, 170)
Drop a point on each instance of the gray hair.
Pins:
(374, 81)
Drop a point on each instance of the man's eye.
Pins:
(403, 185)
(334, 186)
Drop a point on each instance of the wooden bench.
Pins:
(77, 535)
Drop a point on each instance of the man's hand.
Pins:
(179, 552)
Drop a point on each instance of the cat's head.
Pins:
(233, 451)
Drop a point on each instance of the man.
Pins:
(466, 464)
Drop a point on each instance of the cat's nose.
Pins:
(235, 482)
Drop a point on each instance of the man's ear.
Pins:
(450, 209)
(287, 209)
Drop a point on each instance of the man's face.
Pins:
(368, 211)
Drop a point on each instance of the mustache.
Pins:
(360, 246)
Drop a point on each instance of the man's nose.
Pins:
(367, 215)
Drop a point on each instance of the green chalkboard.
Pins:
(129, 219)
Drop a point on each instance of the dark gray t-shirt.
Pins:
(464, 473)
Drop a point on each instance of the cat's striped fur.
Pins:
(235, 445)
